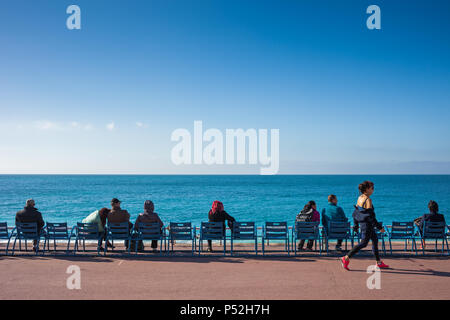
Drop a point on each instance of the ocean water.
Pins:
(70, 198)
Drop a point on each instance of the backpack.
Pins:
(305, 216)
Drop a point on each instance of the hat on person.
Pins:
(115, 200)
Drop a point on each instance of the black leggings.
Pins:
(302, 243)
(365, 238)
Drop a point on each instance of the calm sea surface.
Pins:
(70, 198)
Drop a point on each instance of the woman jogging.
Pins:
(364, 217)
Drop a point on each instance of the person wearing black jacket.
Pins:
(364, 219)
(433, 216)
(30, 214)
(218, 214)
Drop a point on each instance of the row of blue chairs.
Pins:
(403, 231)
(245, 231)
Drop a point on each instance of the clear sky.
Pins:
(106, 98)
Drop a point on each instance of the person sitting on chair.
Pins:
(333, 212)
(148, 216)
(308, 214)
(99, 217)
(433, 216)
(218, 214)
(30, 214)
(117, 215)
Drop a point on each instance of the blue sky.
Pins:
(106, 98)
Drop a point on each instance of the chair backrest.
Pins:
(149, 230)
(306, 230)
(87, 231)
(180, 230)
(27, 230)
(57, 230)
(435, 230)
(4, 234)
(276, 230)
(212, 230)
(402, 229)
(338, 229)
(119, 230)
(244, 230)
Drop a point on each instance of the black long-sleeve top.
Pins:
(221, 216)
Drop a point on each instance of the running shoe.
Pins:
(345, 263)
(381, 265)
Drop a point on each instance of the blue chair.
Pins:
(212, 231)
(118, 231)
(83, 232)
(56, 231)
(434, 231)
(5, 234)
(337, 230)
(276, 231)
(306, 231)
(182, 231)
(150, 231)
(244, 231)
(402, 231)
(26, 231)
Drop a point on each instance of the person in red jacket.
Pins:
(218, 214)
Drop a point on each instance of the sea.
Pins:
(182, 198)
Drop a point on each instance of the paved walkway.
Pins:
(221, 278)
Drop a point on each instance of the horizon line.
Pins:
(222, 174)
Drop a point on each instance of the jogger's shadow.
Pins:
(427, 272)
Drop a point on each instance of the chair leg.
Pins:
(288, 246)
(68, 246)
(7, 246)
(14, 246)
(294, 244)
(106, 246)
(262, 247)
